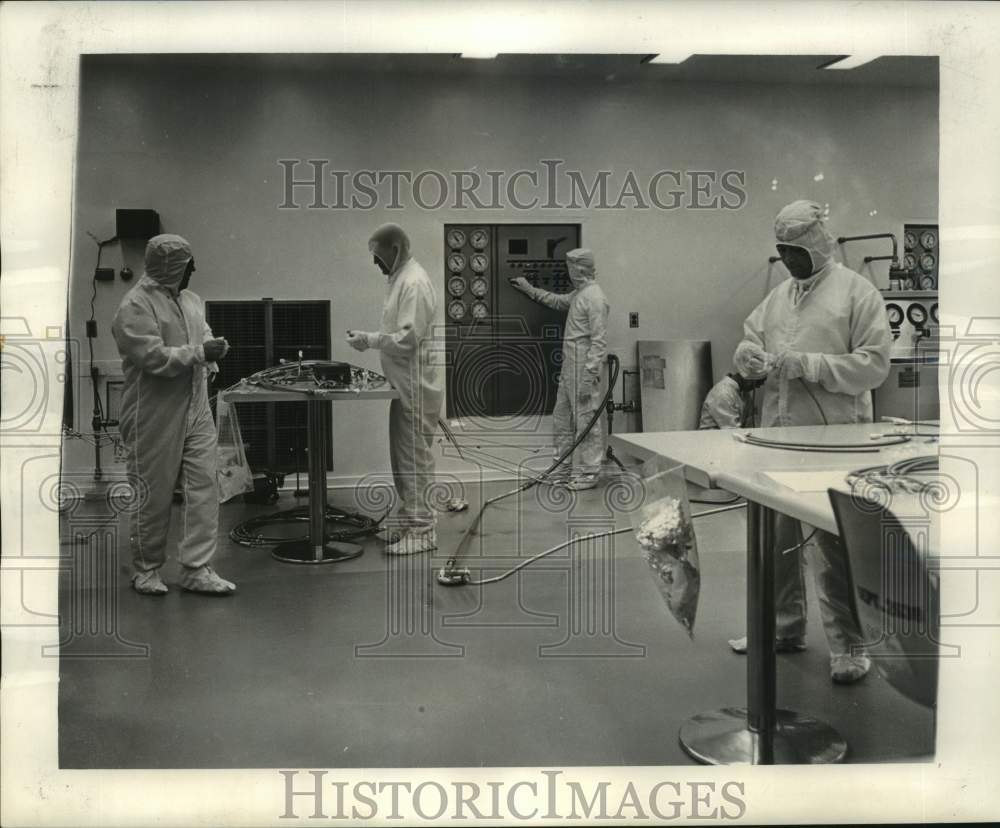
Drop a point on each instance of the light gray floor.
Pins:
(370, 663)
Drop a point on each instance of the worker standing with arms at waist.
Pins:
(405, 343)
(168, 351)
(584, 366)
(822, 340)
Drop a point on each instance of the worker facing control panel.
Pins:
(503, 349)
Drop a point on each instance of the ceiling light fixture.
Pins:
(669, 57)
(479, 55)
(849, 61)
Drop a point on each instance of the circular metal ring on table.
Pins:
(722, 737)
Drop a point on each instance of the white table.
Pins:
(760, 733)
(315, 550)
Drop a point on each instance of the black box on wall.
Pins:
(137, 224)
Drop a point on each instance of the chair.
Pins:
(896, 601)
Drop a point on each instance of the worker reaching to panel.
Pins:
(821, 339)
(168, 351)
(404, 340)
(584, 366)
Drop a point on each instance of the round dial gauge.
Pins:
(479, 239)
(934, 313)
(456, 309)
(927, 283)
(479, 310)
(479, 263)
(927, 262)
(456, 286)
(909, 240)
(895, 313)
(456, 239)
(456, 262)
(928, 239)
(910, 261)
(479, 287)
(917, 314)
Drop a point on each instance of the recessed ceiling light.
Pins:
(479, 55)
(669, 57)
(849, 61)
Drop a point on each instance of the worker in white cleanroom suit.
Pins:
(167, 352)
(822, 338)
(409, 363)
(728, 402)
(584, 365)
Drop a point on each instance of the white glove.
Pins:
(358, 340)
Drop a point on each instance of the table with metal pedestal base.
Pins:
(759, 733)
(316, 549)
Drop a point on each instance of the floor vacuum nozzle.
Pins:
(453, 577)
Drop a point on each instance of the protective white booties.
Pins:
(205, 579)
(847, 669)
(413, 541)
(149, 583)
(781, 645)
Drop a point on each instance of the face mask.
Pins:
(381, 266)
(187, 275)
(797, 260)
(576, 277)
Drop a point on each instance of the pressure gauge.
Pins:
(934, 313)
(917, 314)
(456, 286)
(909, 240)
(456, 239)
(928, 240)
(927, 262)
(910, 262)
(895, 314)
(479, 310)
(479, 263)
(456, 262)
(479, 239)
(479, 287)
(456, 310)
(927, 283)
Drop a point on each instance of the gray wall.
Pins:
(198, 140)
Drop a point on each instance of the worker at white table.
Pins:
(822, 339)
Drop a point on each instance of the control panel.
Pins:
(921, 255)
(503, 348)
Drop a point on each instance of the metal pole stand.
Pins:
(760, 734)
(316, 550)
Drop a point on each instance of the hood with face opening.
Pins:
(391, 245)
(581, 266)
(167, 258)
(801, 224)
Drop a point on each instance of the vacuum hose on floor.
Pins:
(453, 575)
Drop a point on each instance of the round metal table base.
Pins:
(721, 737)
(303, 552)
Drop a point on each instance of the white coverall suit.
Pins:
(406, 344)
(833, 327)
(724, 405)
(165, 420)
(583, 373)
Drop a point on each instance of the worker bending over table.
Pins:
(822, 341)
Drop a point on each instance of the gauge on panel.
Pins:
(909, 240)
(456, 239)
(479, 239)
(456, 262)
(934, 313)
(456, 310)
(928, 240)
(479, 310)
(917, 314)
(928, 283)
(910, 262)
(895, 314)
(479, 287)
(479, 263)
(456, 286)
(927, 262)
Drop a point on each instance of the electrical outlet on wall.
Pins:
(633, 319)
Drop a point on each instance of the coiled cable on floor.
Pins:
(250, 532)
